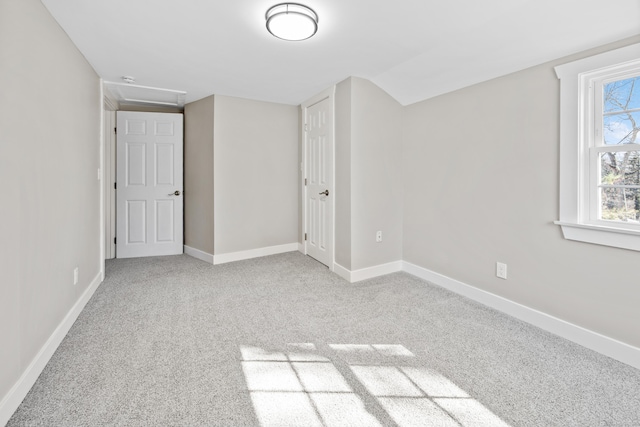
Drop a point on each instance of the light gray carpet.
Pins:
(176, 341)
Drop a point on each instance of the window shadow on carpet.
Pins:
(332, 385)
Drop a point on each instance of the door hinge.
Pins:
(305, 181)
(306, 127)
(305, 236)
(115, 130)
(115, 185)
(114, 240)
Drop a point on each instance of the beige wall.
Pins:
(255, 174)
(376, 186)
(343, 174)
(368, 177)
(481, 185)
(198, 175)
(49, 158)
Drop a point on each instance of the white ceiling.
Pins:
(413, 49)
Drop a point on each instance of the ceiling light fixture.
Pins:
(292, 21)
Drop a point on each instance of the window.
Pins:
(615, 164)
(600, 149)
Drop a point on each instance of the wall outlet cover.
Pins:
(501, 270)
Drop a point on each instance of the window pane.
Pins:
(622, 95)
(620, 168)
(620, 204)
(621, 128)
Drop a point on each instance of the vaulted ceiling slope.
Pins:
(413, 49)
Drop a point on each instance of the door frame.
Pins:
(108, 165)
(109, 174)
(150, 247)
(329, 93)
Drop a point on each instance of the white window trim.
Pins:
(574, 150)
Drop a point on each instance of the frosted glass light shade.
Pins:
(291, 21)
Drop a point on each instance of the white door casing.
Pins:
(149, 184)
(319, 197)
(109, 173)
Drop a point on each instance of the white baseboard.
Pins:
(620, 351)
(197, 253)
(254, 253)
(342, 272)
(375, 271)
(14, 397)
(301, 248)
(610, 347)
(367, 273)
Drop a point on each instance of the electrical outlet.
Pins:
(501, 270)
(379, 236)
(75, 276)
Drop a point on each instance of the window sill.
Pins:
(601, 235)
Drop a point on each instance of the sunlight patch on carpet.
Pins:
(300, 386)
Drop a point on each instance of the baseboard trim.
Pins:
(301, 248)
(375, 271)
(342, 272)
(368, 272)
(18, 392)
(599, 343)
(610, 347)
(197, 253)
(254, 253)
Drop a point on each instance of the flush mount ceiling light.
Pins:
(292, 21)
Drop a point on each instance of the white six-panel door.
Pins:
(149, 196)
(319, 197)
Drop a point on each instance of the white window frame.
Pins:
(579, 148)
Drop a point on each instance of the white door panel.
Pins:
(150, 184)
(165, 221)
(165, 172)
(319, 198)
(135, 164)
(136, 221)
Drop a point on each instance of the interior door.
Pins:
(149, 184)
(319, 195)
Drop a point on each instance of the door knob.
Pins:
(175, 193)
(325, 192)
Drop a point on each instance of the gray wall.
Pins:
(368, 176)
(198, 175)
(255, 174)
(376, 186)
(343, 174)
(49, 158)
(481, 185)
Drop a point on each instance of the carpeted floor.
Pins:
(281, 340)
